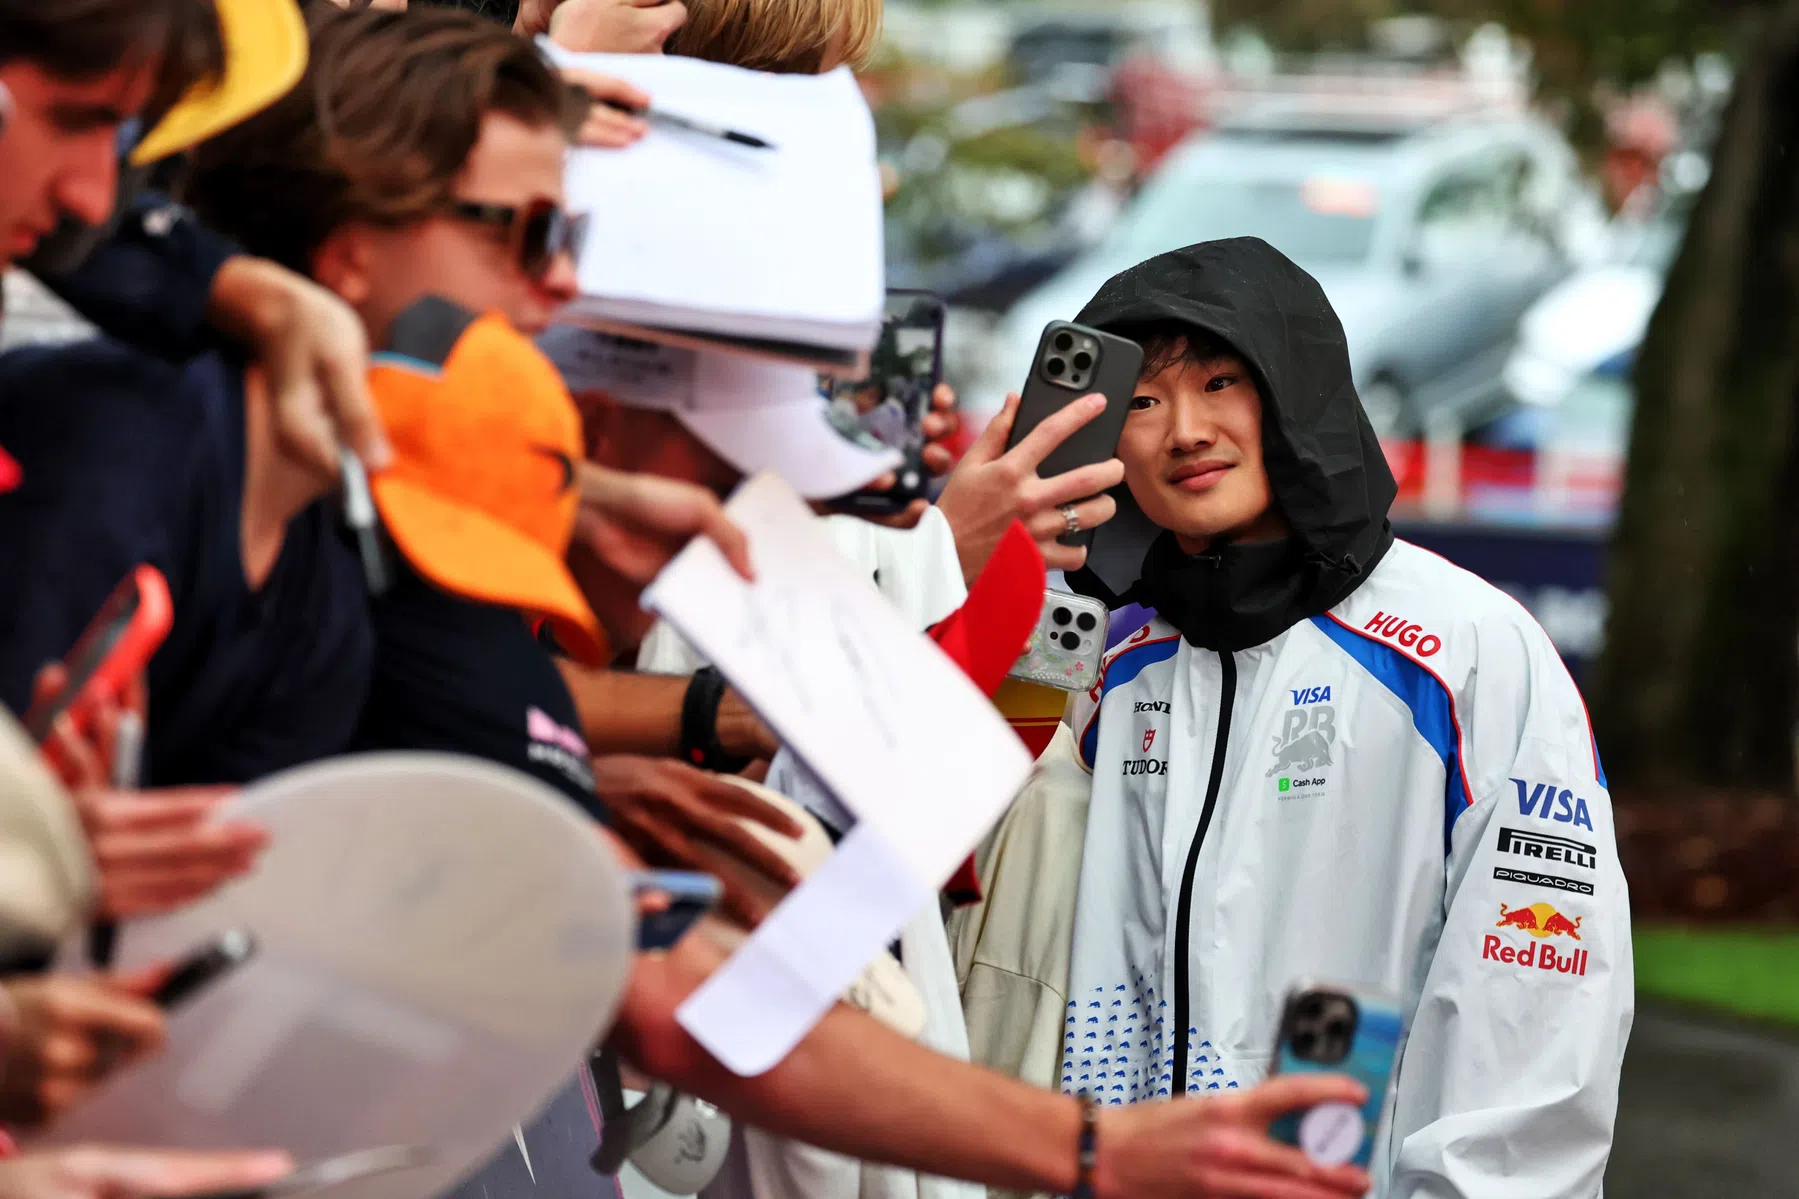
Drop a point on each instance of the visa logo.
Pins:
(1317, 695)
(1546, 803)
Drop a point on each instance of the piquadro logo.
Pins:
(1404, 633)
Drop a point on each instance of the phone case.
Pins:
(892, 423)
(1067, 644)
(114, 649)
(1113, 373)
(1337, 1137)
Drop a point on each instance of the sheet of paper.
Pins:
(693, 232)
(885, 720)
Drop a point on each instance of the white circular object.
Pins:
(440, 941)
(1331, 1133)
(687, 1152)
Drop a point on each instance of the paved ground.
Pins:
(1708, 1110)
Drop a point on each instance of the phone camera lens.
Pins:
(1304, 1043)
(1055, 367)
(1085, 622)
(1064, 342)
(1071, 641)
(1312, 1009)
(1083, 360)
(1060, 616)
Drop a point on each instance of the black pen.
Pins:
(657, 116)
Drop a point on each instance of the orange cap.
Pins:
(482, 494)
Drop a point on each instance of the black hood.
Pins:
(1324, 462)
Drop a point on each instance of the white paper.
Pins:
(886, 721)
(692, 232)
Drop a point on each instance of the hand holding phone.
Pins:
(1073, 361)
(110, 655)
(1335, 1029)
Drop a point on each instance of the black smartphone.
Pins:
(690, 895)
(204, 967)
(888, 407)
(1074, 361)
(334, 1172)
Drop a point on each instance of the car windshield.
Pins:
(1320, 220)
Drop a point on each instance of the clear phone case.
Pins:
(1066, 645)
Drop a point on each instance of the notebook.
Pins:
(701, 242)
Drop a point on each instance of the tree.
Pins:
(1699, 682)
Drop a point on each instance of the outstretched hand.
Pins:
(994, 486)
(1218, 1145)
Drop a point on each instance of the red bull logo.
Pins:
(1542, 922)
(1539, 920)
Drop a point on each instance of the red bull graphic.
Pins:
(1539, 920)
(1542, 922)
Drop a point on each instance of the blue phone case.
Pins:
(1372, 1053)
(691, 896)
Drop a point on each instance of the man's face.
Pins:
(472, 263)
(1192, 453)
(59, 150)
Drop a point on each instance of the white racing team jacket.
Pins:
(1403, 792)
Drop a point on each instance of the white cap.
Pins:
(755, 414)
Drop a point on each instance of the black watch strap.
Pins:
(699, 724)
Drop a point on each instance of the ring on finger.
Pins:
(1071, 520)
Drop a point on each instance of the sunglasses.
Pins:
(538, 231)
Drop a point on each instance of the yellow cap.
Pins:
(265, 55)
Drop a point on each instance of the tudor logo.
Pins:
(1149, 739)
(1402, 632)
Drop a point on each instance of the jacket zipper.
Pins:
(1183, 912)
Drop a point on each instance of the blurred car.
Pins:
(1431, 231)
(1088, 40)
(1595, 316)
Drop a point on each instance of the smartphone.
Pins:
(690, 895)
(1067, 644)
(115, 648)
(334, 1172)
(1328, 1028)
(1074, 361)
(887, 407)
(204, 967)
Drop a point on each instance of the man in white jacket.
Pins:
(1330, 755)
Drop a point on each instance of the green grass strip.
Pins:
(1748, 972)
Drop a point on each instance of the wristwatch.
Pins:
(700, 745)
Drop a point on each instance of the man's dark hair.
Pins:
(1169, 343)
(378, 130)
(81, 40)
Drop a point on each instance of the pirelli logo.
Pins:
(1547, 848)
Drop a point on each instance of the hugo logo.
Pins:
(1406, 634)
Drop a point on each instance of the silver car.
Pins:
(1431, 237)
